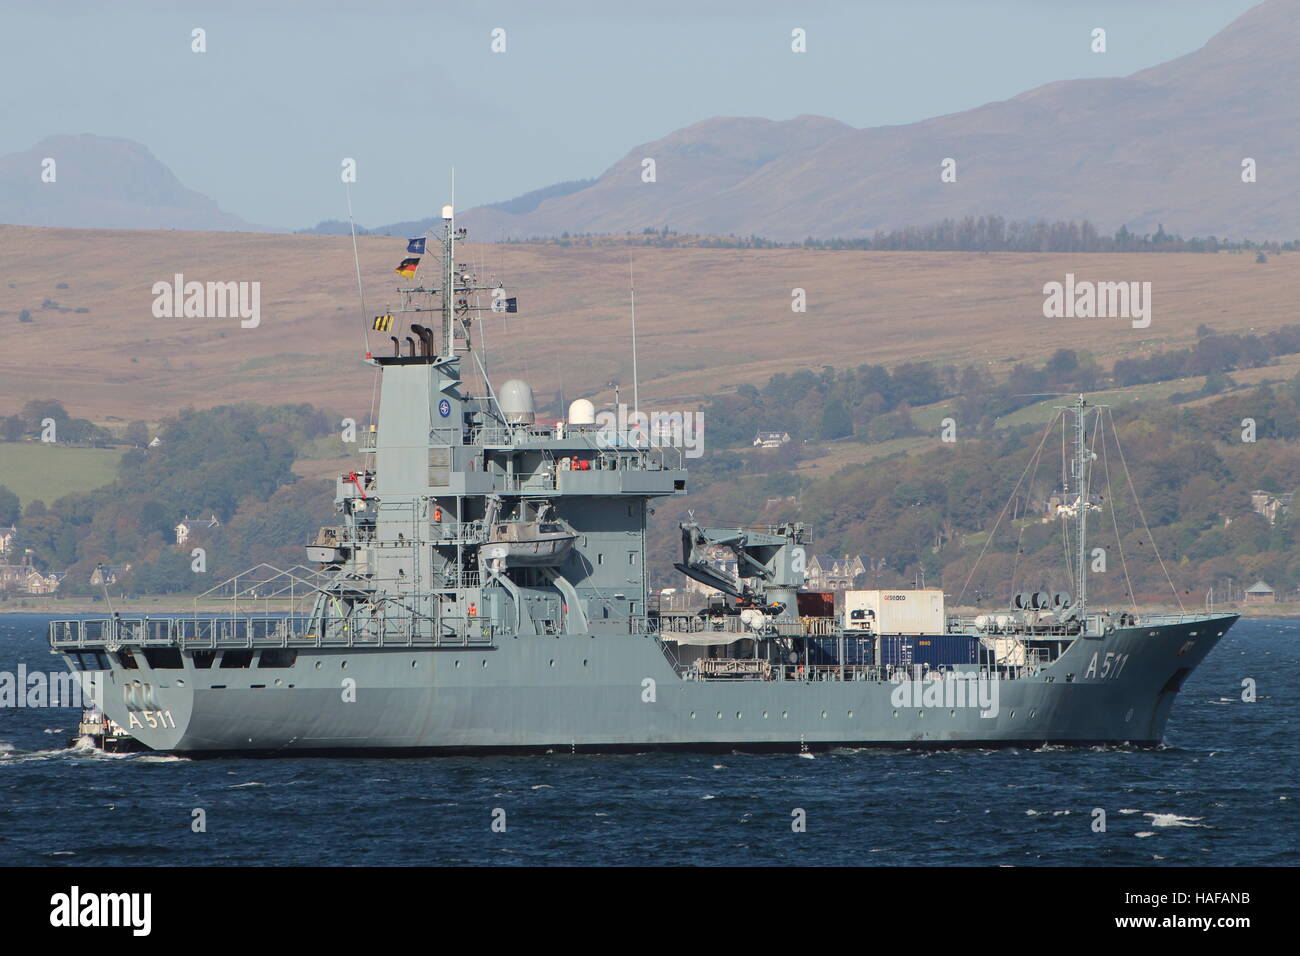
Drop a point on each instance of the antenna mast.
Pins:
(1082, 461)
(631, 287)
(448, 277)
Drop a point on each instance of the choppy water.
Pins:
(1223, 791)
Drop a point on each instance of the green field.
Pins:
(33, 470)
(1042, 412)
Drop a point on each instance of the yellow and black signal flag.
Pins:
(383, 323)
(407, 269)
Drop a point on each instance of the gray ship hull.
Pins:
(620, 692)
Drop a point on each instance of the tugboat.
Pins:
(104, 734)
(485, 589)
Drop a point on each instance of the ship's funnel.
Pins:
(426, 338)
(516, 401)
(582, 412)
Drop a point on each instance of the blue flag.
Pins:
(415, 246)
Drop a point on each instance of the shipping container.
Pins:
(816, 603)
(857, 650)
(895, 612)
(938, 650)
(945, 650)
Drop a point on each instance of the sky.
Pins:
(262, 121)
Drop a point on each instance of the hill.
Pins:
(1164, 145)
(707, 318)
(102, 182)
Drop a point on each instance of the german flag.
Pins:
(407, 269)
(383, 323)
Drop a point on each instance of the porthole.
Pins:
(483, 662)
(344, 665)
(278, 682)
(584, 662)
(318, 663)
(920, 713)
(785, 715)
(1129, 715)
(552, 662)
(415, 663)
(823, 715)
(765, 715)
(692, 715)
(895, 715)
(739, 715)
(1013, 715)
(850, 714)
(458, 663)
(952, 713)
(1032, 714)
(719, 715)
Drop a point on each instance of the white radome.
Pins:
(582, 412)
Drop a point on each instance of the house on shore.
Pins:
(1260, 593)
(771, 439)
(194, 528)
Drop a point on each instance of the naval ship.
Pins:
(485, 589)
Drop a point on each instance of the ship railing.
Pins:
(964, 625)
(466, 632)
(634, 457)
(458, 532)
(669, 624)
(460, 579)
(538, 481)
(254, 632)
(1157, 620)
(490, 435)
(730, 668)
(760, 669)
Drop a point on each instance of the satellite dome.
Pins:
(582, 412)
(516, 401)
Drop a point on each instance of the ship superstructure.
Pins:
(485, 587)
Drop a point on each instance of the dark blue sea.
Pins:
(1223, 791)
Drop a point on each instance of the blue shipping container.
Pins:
(936, 650)
(857, 650)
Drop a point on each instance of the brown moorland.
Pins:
(707, 318)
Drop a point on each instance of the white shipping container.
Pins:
(895, 612)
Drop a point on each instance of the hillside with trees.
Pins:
(927, 516)
(230, 462)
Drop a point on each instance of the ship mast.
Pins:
(1080, 469)
(448, 278)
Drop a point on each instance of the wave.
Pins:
(1173, 820)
